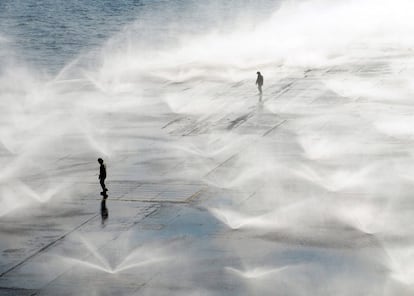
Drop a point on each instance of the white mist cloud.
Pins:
(333, 175)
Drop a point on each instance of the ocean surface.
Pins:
(48, 34)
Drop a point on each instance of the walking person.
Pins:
(102, 176)
(259, 82)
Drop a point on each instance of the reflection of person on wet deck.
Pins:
(102, 175)
(259, 82)
(104, 210)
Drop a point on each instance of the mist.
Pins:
(306, 191)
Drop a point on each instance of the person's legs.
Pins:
(102, 181)
(260, 88)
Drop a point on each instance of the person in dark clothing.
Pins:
(259, 82)
(102, 175)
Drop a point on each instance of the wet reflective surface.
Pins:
(213, 189)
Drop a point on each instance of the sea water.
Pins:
(47, 35)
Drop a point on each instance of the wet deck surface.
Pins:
(307, 192)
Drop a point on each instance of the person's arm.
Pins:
(101, 172)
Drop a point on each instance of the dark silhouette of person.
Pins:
(102, 176)
(259, 82)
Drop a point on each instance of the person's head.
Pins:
(258, 73)
(100, 160)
